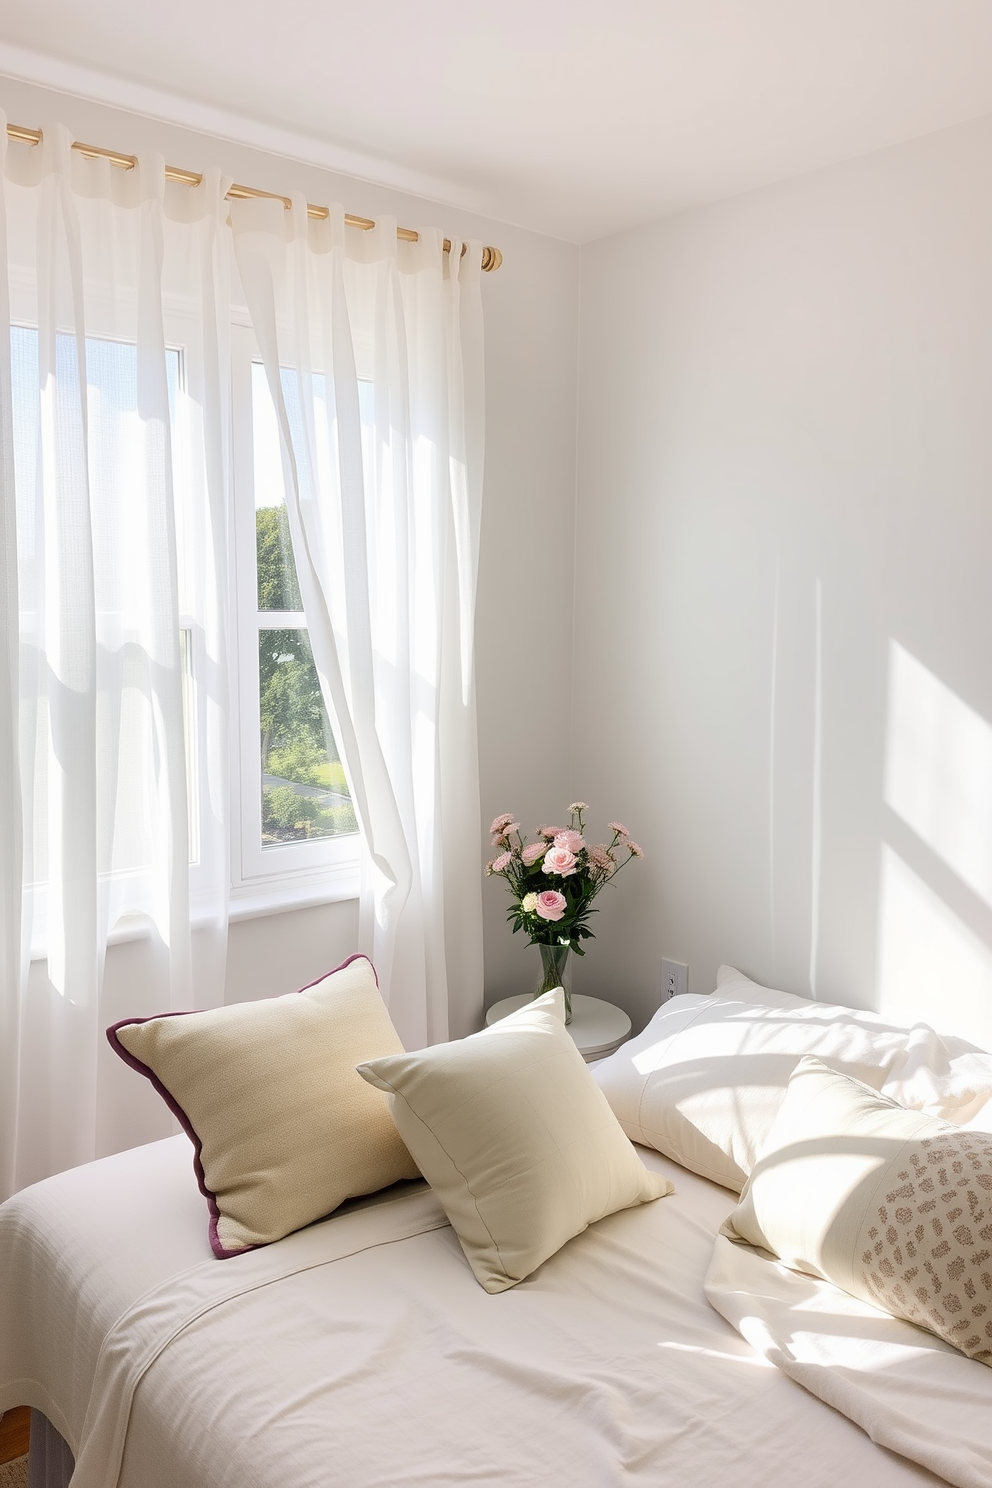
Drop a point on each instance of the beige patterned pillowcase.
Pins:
(283, 1127)
(891, 1205)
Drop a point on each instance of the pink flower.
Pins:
(500, 864)
(551, 905)
(511, 826)
(549, 832)
(600, 858)
(533, 851)
(559, 860)
(635, 851)
(572, 842)
(500, 824)
(619, 828)
(578, 806)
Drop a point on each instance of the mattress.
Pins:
(361, 1351)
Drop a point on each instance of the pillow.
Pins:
(510, 1131)
(283, 1127)
(705, 1079)
(892, 1206)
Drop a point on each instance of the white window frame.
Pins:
(263, 880)
(296, 873)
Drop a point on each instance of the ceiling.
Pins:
(577, 118)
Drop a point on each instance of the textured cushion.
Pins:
(893, 1206)
(705, 1079)
(510, 1130)
(284, 1128)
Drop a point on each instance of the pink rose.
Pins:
(533, 851)
(572, 842)
(559, 860)
(551, 905)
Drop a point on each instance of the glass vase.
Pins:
(556, 971)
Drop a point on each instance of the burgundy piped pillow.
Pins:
(284, 1128)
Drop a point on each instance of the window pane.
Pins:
(126, 456)
(277, 585)
(304, 794)
(112, 396)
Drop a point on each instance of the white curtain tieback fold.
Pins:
(384, 510)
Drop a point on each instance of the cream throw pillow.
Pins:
(513, 1135)
(284, 1128)
(893, 1206)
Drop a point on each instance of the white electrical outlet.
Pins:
(674, 979)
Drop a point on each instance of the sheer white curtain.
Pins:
(373, 355)
(114, 426)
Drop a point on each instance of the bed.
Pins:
(361, 1350)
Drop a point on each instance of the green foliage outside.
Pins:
(278, 588)
(286, 814)
(296, 740)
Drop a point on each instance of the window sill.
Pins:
(277, 896)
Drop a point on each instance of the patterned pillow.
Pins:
(891, 1205)
(942, 1193)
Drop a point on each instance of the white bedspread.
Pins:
(905, 1388)
(361, 1353)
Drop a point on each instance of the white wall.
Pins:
(783, 671)
(531, 313)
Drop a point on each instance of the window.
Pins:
(295, 819)
(115, 452)
(293, 823)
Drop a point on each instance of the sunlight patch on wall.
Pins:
(938, 770)
(932, 969)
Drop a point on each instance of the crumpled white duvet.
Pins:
(907, 1389)
(362, 1353)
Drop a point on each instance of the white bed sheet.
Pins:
(906, 1388)
(381, 1361)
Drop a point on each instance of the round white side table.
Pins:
(597, 1027)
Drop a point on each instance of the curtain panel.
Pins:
(373, 356)
(114, 473)
(117, 291)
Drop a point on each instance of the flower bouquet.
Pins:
(553, 881)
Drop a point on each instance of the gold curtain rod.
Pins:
(491, 257)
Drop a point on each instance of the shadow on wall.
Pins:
(906, 891)
(935, 880)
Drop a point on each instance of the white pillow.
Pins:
(892, 1206)
(705, 1079)
(511, 1132)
